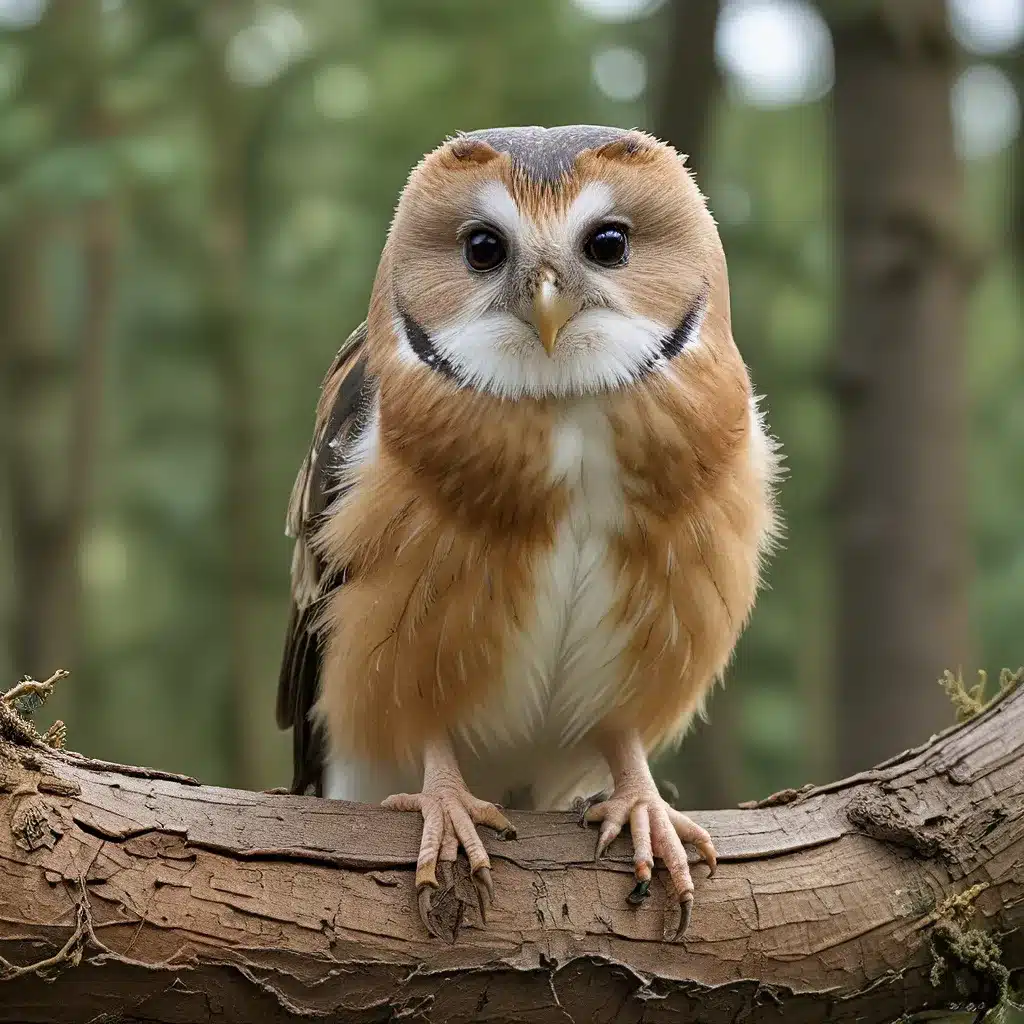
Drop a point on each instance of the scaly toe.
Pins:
(450, 819)
(690, 832)
(609, 831)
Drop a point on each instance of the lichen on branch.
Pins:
(20, 702)
(971, 702)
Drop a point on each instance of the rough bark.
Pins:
(903, 561)
(133, 895)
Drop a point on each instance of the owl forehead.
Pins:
(546, 184)
(546, 155)
(556, 215)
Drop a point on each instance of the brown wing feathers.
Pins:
(345, 395)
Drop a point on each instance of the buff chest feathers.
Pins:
(530, 526)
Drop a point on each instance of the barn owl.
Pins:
(530, 526)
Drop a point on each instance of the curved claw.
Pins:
(450, 818)
(610, 830)
(707, 851)
(484, 890)
(685, 913)
(658, 831)
(423, 896)
(690, 832)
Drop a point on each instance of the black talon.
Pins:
(640, 892)
(423, 900)
(482, 876)
(508, 833)
(685, 911)
(481, 901)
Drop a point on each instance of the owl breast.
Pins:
(562, 665)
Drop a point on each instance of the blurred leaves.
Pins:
(332, 104)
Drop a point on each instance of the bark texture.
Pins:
(905, 276)
(132, 895)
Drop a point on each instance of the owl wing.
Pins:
(345, 395)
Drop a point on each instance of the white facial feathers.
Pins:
(493, 347)
(593, 205)
(598, 349)
(495, 206)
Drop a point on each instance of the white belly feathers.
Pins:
(561, 670)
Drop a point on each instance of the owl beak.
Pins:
(551, 310)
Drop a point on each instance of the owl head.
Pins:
(547, 262)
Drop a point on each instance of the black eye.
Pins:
(483, 250)
(608, 246)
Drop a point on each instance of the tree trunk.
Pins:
(228, 256)
(50, 472)
(99, 245)
(707, 770)
(35, 376)
(690, 82)
(902, 541)
(55, 390)
(1016, 195)
(138, 896)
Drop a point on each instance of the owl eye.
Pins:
(483, 250)
(608, 246)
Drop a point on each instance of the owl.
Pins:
(531, 522)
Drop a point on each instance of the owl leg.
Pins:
(658, 829)
(450, 816)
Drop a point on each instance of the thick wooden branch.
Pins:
(132, 895)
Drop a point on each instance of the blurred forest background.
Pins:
(193, 197)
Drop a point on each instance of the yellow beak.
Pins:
(551, 310)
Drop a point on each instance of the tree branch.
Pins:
(140, 896)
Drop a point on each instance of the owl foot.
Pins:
(450, 816)
(658, 830)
